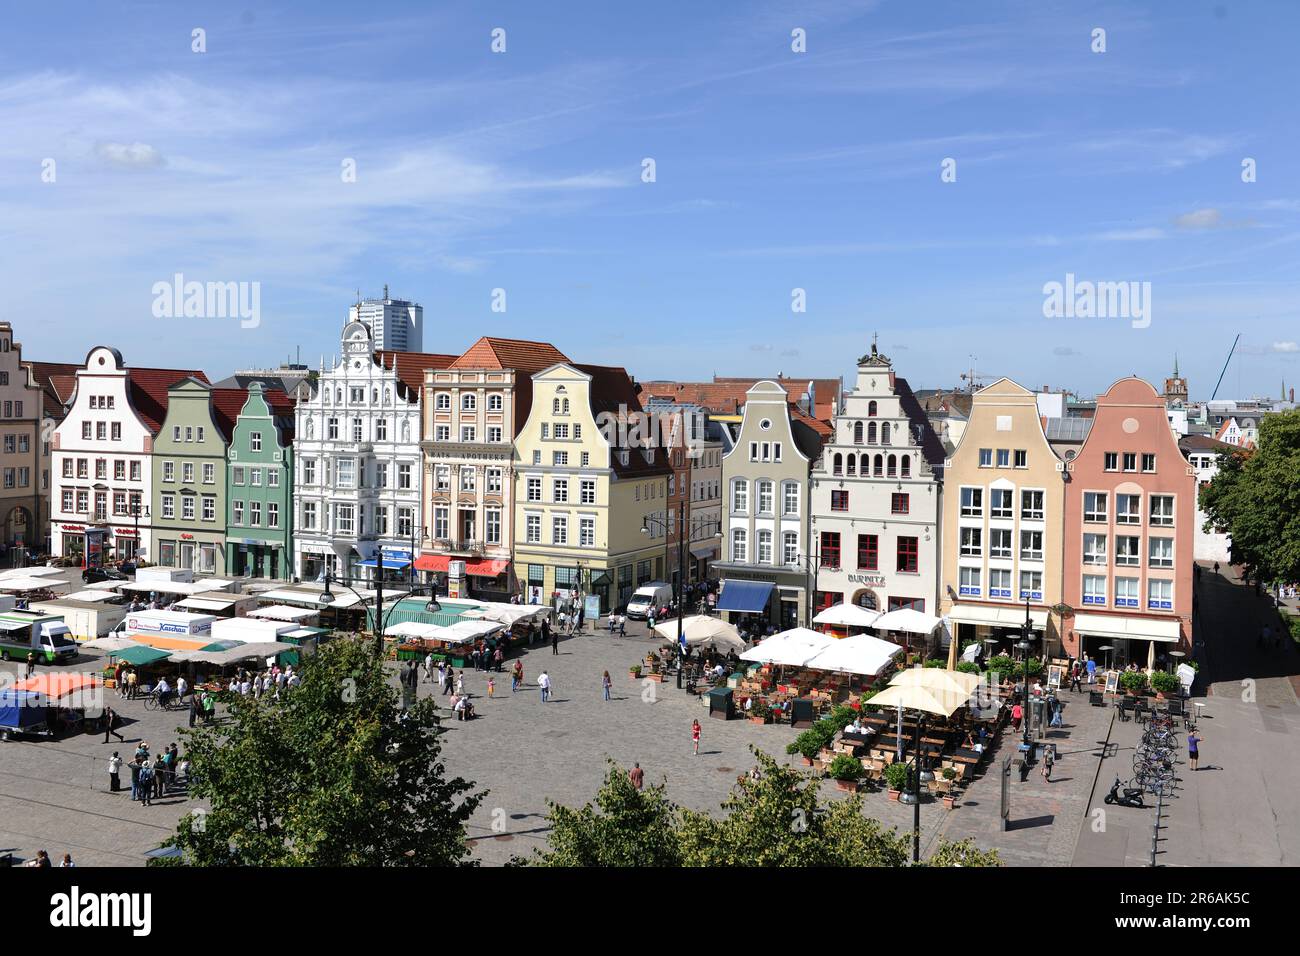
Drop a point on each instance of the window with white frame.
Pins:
(1000, 503)
(308, 514)
(790, 496)
(381, 519)
(1094, 506)
(1162, 510)
(1031, 505)
(442, 402)
(441, 523)
(971, 544)
(587, 532)
(1128, 551)
(494, 433)
(1000, 543)
(255, 514)
(405, 522)
(1126, 592)
(272, 514)
(468, 402)
(209, 473)
(739, 496)
(187, 507)
(968, 582)
(789, 547)
(169, 471)
(468, 479)
(169, 506)
(1031, 545)
(495, 402)
(739, 545)
(493, 481)
(1160, 594)
(587, 491)
(533, 529)
(254, 441)
(1000, 583)
(1128, 509)
(441, 477)
(442, 433)
(1094, 589)
(559, 529)
(209, 508)
(1031, 585)
(345, 473)
(404, 477)
(764, 555)
(559, 459)
(765, 496)
(1094, 549)
(972, 502)
(1160, 552)
(560, 490)
(345, 516)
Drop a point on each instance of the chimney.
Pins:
(1046, 389)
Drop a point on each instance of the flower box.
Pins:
(849, 786)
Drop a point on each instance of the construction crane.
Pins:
(1225, 366)
(973, 379)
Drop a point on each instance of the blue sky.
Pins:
(774, 171)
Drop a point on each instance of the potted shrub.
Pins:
(896, 777)
(936, 662)
(807, 745)
(967, 667)
(634, 671)
(950, 795)
(760, 713)
(1164, 683)
(1133, 681)
(846, 772)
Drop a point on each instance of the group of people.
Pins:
(151, 777)
(42, 858)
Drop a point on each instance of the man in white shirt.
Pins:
(544, 682)
(182, 688)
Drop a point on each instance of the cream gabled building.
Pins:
(24, 453)
(582, 492)
(876, 498)
(1003, 521)
(473, 409)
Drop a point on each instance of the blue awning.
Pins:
(390, 561)
(749, 597)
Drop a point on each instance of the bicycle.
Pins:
(154, 701)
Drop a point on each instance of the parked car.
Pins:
(91, 575)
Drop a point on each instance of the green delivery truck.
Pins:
(45, 635)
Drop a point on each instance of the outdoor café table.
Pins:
(965, 755)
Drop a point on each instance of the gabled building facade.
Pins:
(876, 498)
(472, 410)
(189, 482)
(101, 459)
(24, 453)
(583, 490)
(1129, 532)
(259, 487)
(357, 463)
(1003, 515)
(766, 480)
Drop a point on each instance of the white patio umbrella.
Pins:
(908, 620)
(847, 615)
(794, 647)
(859, 654)
(700, 630)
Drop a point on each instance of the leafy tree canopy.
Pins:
(334, 774)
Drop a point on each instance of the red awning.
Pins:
(479, 567)
(484, 568)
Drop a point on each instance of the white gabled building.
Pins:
(876, 498)
(357, 482)
(101, 458)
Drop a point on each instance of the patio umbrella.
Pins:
(700, 630)
(859, 654)
(847, 615)
(952, 649)
(794, 647)
(908, 620)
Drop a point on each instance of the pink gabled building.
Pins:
(1130, 507)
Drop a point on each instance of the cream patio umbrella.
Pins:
(700, 630)
(847, 615)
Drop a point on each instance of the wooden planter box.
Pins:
(657, 678)
(895, 794)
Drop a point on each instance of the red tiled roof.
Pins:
(827, 390)
(490, 352)
(57, 379)
(148, 391)
(411, 367)
(726, 396)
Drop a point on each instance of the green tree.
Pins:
(1255, 497)
(962, 853)
(625, 827)
(336, 774)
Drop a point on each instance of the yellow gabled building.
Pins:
(584, 485)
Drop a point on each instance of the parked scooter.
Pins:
(1131, 797)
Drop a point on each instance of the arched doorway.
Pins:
(866, 598)
(18, 528)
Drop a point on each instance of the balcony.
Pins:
(459, 546)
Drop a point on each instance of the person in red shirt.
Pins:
(695, 737)
(1017, 714)
(636, 775)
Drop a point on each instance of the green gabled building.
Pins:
(259, 486)
(189, 478)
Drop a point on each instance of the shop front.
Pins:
(761, 606)
(486, 579)
(1000, 628)
(256, 558)
(1116, 641)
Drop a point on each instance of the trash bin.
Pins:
(720, 703)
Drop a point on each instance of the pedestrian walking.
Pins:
(1075, 677)
(159, 776)
(1091, 665)
(1049, 758)
(498, 658)
(636, 775)
(110, 721)
(195, 703)
(460, 684)
(114, 773)
(442, 677)
(695, 738)
(1017, 715)
(606, 683)
(1193, 749)
(555, 641)
(622, 625)
(134, 767)
(1216, 567)
(582, 613)
(492, 687)
(544, 682)
(31, 664)
(428, 666)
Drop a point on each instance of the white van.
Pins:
(654, 594)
